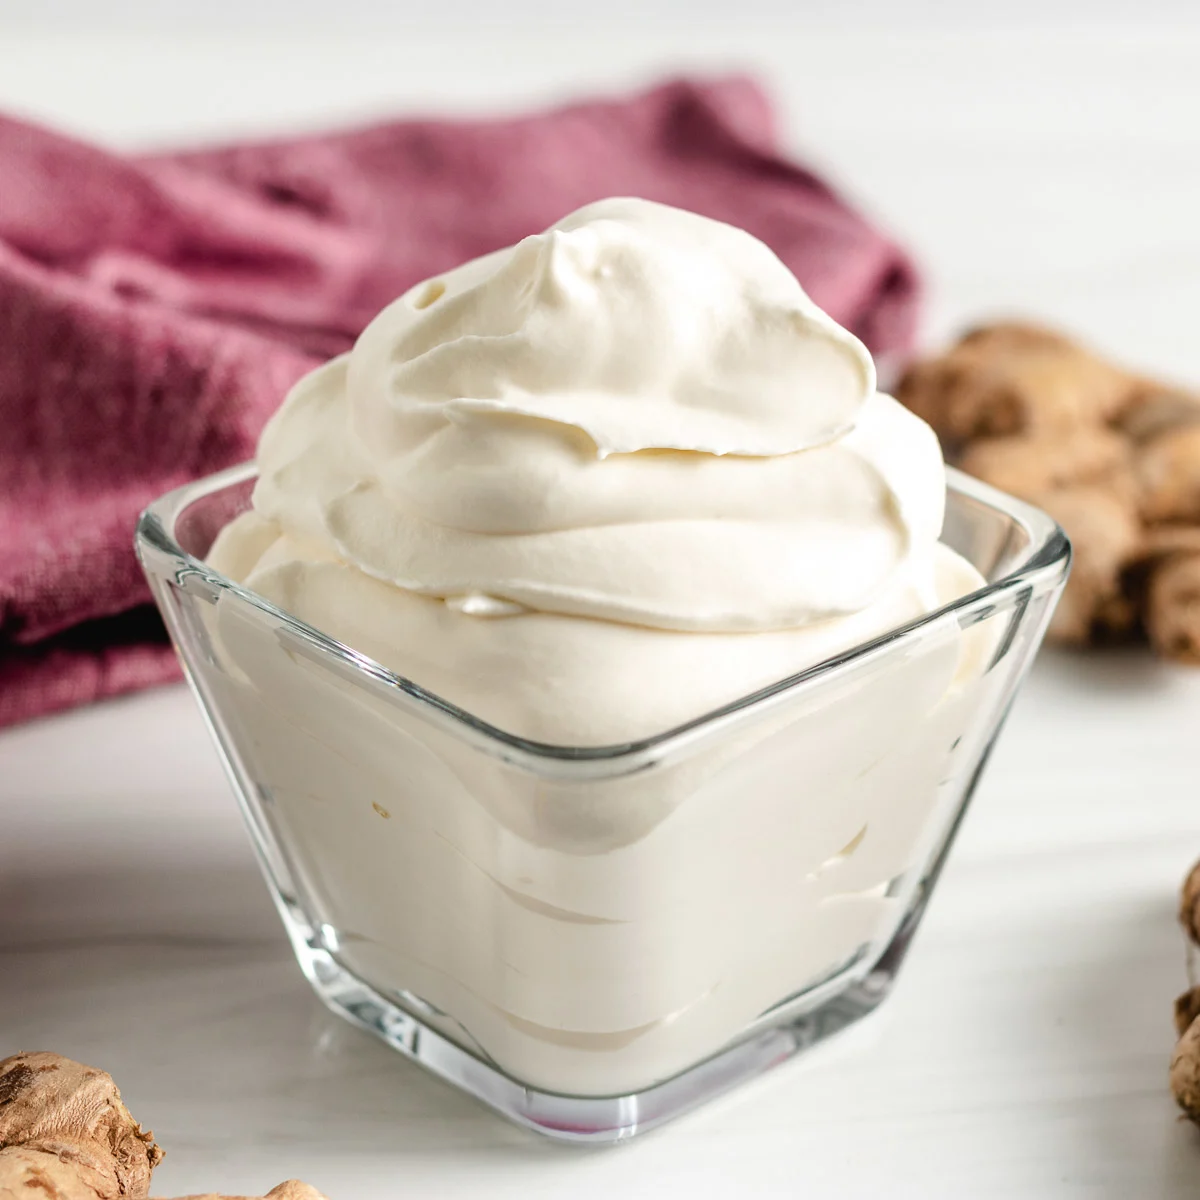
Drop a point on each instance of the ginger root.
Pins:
(1173, 608)
(1010, 379)
(290, 1189)
(1187, 1009)
(1168, 470)
(1185, 1072)
(66, 1135)
(1114, 457)
(1185, 1062)
(1189, 905)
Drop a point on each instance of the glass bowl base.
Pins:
(799, 1023)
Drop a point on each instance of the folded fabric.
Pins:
(155, 309)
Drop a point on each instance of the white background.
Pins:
(226, 15)
(1037, 158)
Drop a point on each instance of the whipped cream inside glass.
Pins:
(583, 491)
(600, 483)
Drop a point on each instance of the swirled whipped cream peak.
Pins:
(552, 461)
(643, 326)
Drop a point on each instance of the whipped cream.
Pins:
(533, 473)
(589, 488)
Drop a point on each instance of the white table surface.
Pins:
(1047, 170)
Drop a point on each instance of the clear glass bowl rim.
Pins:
(1046, 560)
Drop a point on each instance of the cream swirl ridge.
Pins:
(638, 416)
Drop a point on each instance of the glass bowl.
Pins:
(593, 940)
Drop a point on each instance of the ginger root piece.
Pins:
(1189, 905)
(1162, 540)
(290, 1189)
(1009, 379)
(1034, 464)
(1168, 474)
(1153, 409)
(1185, 1062)
(1114, 457)
(1105, 535)
(1185, 1072)
(1187, 1009)
(1173, 608)
(66, 1135)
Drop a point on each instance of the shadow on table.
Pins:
(1130, 671)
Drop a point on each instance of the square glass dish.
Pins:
(593, 940)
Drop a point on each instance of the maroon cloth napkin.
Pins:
(154, 310)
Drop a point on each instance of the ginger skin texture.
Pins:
(1112, 456)
(1189, 905)
(1185, 1062)
(1185, 1071)
(1187, 1009)
(66, 1135)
